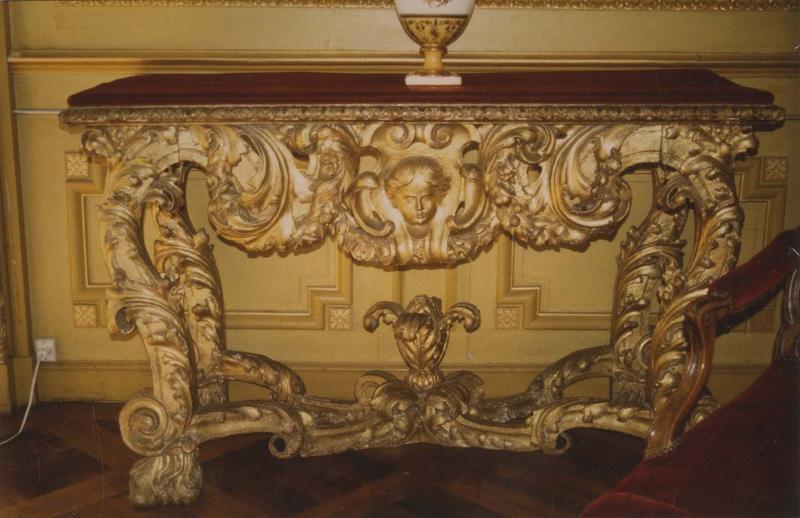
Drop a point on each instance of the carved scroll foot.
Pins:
(173, 478)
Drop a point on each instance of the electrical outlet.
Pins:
(45, 349)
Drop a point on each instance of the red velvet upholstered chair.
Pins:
(743, 459)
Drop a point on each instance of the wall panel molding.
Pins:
(84, 180)
(403, 295)
(528, 300)
(777, 64)
(620, 5)
(330, 300)
(764, 180)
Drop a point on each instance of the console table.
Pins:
(408, 176)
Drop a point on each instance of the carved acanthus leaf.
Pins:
(456, 113)
(391, 194)
(557, 185)
(703, 156)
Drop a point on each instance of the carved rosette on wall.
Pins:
(403, 194)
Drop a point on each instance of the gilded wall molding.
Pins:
(137, 61)
(613, 5)
(322, 300)
(85, 181)
(3, 321)
(763, 180)
(519, 306)
(409, 113)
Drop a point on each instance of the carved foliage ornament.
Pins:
(422, 332)
(647, 5)
(402, 193)
(484, 113)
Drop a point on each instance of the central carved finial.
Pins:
(422, 332)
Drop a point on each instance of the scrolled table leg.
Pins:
(703, 159)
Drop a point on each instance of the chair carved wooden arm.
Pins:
(731, 296)
(742, 460)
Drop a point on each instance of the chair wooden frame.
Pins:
(731, 296)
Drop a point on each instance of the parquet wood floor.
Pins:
(71, 462)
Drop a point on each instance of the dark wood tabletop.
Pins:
(648, 87)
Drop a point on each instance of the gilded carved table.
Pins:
(408, 176)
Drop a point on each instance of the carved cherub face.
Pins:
(416, 186)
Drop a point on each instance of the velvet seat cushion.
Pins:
(740, 461)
